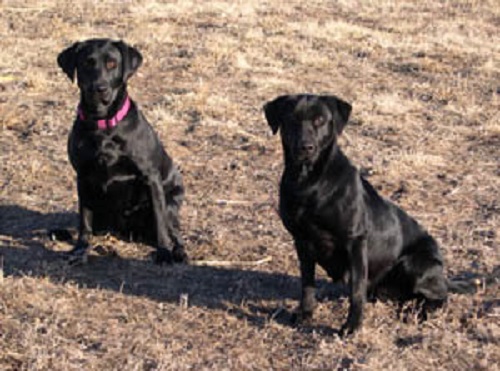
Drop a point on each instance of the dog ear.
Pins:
(340, 111)
(67, 60)
(276, 109)
(132, 59)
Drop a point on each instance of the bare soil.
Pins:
(424, 81)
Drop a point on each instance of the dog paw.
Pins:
(162, 256)
(301, 318)
(349, 328)
(62, 235)
(180, 256)
(78, 256)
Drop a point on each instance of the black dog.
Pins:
(339, 221)
(127, 184)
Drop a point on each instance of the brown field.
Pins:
(424, 81)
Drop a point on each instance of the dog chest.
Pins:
(327, 251)
(102, 163)
(315, 217)
(98, 148)
(322, 225)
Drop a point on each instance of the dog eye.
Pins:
(318, 121)
(111, 64)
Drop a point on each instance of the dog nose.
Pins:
(101, 88)
(307, 148)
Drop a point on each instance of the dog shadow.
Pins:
(258, 296)
(21, 223)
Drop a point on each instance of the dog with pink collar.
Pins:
(127, 183)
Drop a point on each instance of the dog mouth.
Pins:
(98, 103)
(103, 98)
(306, 158)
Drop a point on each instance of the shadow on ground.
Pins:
(23, 241)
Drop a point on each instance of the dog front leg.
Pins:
(84, 234)
(86, 216)
(163, 240)
(178, 252)
(307, 273)
(358, 256)
(174, 197)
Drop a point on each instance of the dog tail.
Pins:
(462, 287)
(471, 286)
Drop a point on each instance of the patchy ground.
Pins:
(424, 80)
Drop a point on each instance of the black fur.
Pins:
(127, 183)
(339, 221)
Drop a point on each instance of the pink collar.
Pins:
(113, 121)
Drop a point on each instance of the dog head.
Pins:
(309, 124)
(102, 68)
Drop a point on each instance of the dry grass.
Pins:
(424, 79)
